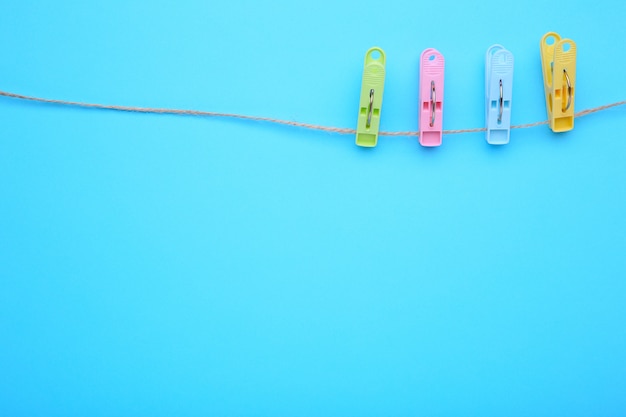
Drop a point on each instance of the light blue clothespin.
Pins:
(498, 94)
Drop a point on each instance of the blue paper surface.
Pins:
(162, 265)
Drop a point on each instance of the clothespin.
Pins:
(431, 97)
(558, 63)
(498, 93)
(371, 102)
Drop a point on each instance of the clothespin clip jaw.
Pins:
(558, 63)
(430, 111)
(371, 101)
(498, 94)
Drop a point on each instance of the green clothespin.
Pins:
(371, 101)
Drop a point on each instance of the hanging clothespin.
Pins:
(558, 63)
(431, 97)
(498, 94)
(371, 102)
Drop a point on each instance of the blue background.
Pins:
(163, 265)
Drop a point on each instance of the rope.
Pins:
(339, 130)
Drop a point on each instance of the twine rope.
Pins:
(330, 129)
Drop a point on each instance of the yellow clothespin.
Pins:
(558, 63)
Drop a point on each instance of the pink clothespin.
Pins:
(431, 97)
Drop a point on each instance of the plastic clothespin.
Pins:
(558, 63)
(498, 94)
(371, 102)
(431, 97)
